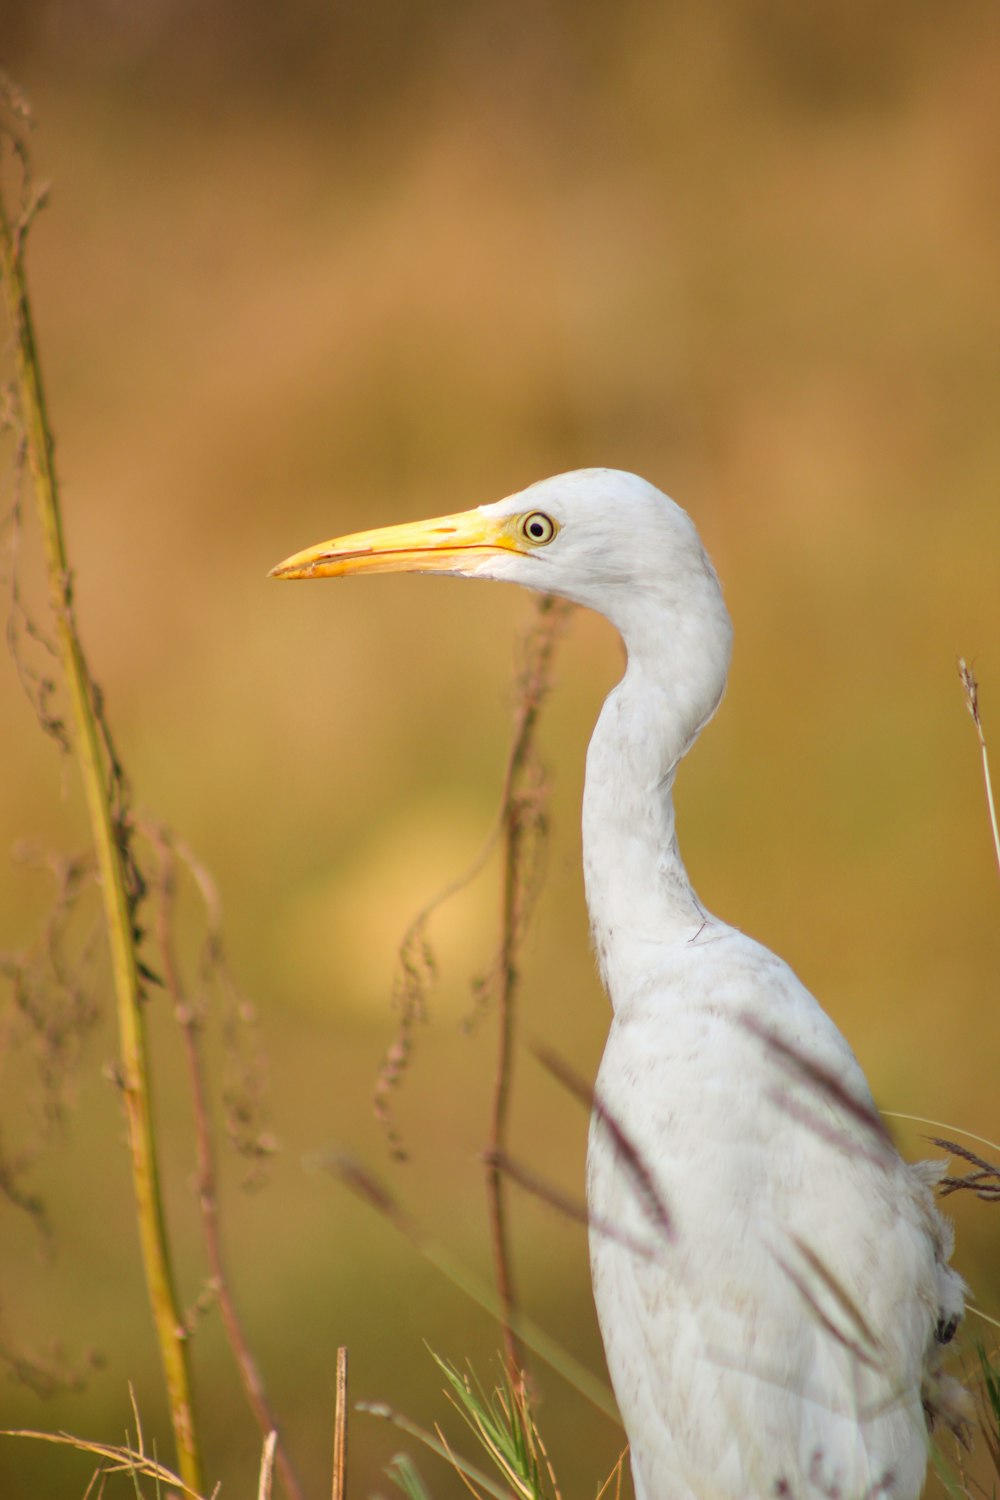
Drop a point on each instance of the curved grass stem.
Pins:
(102, 786)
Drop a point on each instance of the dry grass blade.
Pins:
(266, 1477)
(629, 1157)
(614, 1478)
(339, 1486)
(570, 1208)
(366, 1186)
(859, 1337)
(970, 1135)
(825, 1083)
(971, 687)
(115, 1459)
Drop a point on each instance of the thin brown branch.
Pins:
(522, 816)
(190, 1023)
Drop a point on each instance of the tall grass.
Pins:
(140, 863)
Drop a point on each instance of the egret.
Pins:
(784, 1337)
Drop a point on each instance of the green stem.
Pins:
(111, 861)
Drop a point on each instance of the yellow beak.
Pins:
(448, 544)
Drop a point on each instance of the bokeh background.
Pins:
(313, 267)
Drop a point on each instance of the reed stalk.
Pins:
(102, 787)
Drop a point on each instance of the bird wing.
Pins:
(780, 1333)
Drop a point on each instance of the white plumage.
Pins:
(783, 1338)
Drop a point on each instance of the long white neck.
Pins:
(638, 892)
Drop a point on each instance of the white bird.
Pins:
(775, 1290)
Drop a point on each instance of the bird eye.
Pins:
(538, 528)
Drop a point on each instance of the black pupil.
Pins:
(537, 528)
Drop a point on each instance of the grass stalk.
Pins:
(338, 1490)
(971, 689)
(521, 816)
(102, 786)
(496, 1199)
(185, 1012)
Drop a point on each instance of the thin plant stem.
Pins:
(110, 834)
(971, 687)
(496, 1196)
(984, 1140)
(264, 1479)
(339, 1489)
(206, 1175)
(518, 807)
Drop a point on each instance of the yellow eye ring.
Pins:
(538, 528)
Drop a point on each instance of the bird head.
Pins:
(600, 537)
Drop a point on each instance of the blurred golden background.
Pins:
(311, 268)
